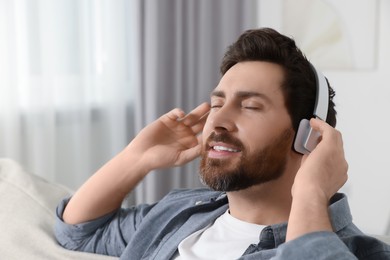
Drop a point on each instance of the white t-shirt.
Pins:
(226, 238)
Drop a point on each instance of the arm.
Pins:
(310, 234)
(322, 173)
(171, 140)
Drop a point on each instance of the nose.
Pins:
(222, 119)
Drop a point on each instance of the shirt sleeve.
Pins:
(317, 245)
(103, 235)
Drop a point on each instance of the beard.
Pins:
(261, 166)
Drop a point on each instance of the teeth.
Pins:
(223, 148)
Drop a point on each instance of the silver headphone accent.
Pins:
(306, 139)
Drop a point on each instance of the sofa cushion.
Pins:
(27, 216)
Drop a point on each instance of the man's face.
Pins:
(248, 133)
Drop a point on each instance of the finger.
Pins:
(175, 114)
(189, 155)
(196, 114)
(200, 139)
(327, 132)
(319, 125)
(198, 127)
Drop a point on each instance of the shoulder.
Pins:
(367, 247)
(360, 244)
(176, 201)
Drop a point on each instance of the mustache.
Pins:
(225, 138)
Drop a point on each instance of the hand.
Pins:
(324, 170)
(171, 140)
(322, 173)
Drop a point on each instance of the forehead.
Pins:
(260, 77)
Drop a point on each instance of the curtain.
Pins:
(66, 84)
(79, 79)
(181, 46)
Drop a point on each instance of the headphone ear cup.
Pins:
(306, 138)
(301, 136)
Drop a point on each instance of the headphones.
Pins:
(306, 139)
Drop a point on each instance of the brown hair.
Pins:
(299, 87)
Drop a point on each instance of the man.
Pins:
(258, 182)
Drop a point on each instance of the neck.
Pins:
(264, 204)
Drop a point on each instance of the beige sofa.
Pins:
(28, 204)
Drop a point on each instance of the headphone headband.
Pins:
(306, 138)
(322, 96)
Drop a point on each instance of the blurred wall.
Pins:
(363, 100)
(349, 41)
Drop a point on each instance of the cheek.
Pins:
(256, 137)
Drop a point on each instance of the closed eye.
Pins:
(252, 108)
(252, 105)
(215, 106)
(216, 103)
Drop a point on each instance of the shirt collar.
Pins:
(340, 214)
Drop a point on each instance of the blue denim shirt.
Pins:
(155, 231)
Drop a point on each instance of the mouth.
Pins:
(222, 150)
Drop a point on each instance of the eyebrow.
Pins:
(241, 94)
